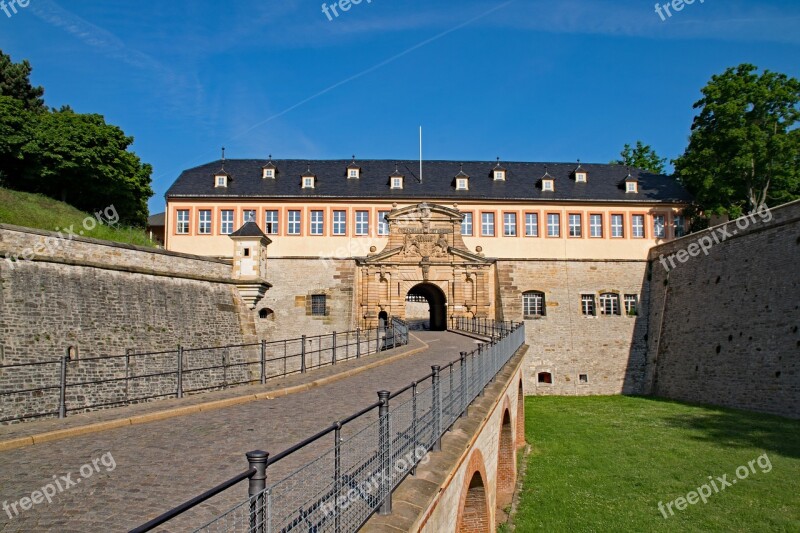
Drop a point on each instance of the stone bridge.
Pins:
(116, 469)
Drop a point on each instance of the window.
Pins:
(466, 225)
(544, 377)
(575, 226)
(509, 224)
(294, 222)
(531, 224)
(340, 222)
(205, 222)
(226, 222)
(271, 222)
(499, 175)
(222, 181)
(266, 313)
(659, 229)
(487, 224)
(617, 230)
(318, 305)
(317, 222)
(353, 173)
(631, 304)
(269, 173)
(679, 224)
(383, 225)
(631, 186)
(362, 222)
(462, 184)
(583, 378)
(609, 304)
(183, 221)
(638, 226)
(580, 177)
(596, 226)
(247, 252)
(547, 185)
(248, 215)
(308, 182)
(533, 304)
(397, 183)
(587, 305)
(553, 225)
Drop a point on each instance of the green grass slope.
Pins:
(40, 212)
(605, 463)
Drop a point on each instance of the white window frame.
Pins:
(588, 306)
(596, 226)
(271, 221)
(353, 173)
(575, 230)
(617, 226)
(679, 225)
(362, 223)
(467, 224)
(226, 217)
(531, 224)
(317, 222)
(269, 173)
(554, 222)
(637, 226)
(182, 222)
(609, 304)
(631, 186)
(222, 181)
(631, 302)
(383, 225)
(580, 177)
(308, 183)
(462, 184)
(533, 304)
(499, 175)
(397, 183)
(295, 219)
(548, 185)
(487, 225)
(509, 224)
(340, 222)
(204, 222)
(662, 234)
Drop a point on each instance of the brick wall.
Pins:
(609, 351)
(724, 326)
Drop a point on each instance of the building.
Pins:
(564, 246)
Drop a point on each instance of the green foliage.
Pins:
(40, 212)
(642, 156)
(77, 158)
(15, 82)
(744, 150)
(604, 464)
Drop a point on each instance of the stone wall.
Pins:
(105, 299)
(724, 326)
(584, 355)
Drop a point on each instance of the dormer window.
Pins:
(353, 170)
(499, 175)
(353, 174)
(462, 184)
(221, 180)
(268, 173)
(548, 184)
(308, 182)
(631, 186)
(580, 177)
(397, 182)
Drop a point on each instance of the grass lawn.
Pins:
(40, 212)
(605, 463)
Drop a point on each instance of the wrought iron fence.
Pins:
(76, 384)
(371, 452)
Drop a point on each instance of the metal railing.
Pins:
(73, 384)
(480, 326)
(371, 452)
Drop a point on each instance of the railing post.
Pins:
(62, 399)
(255, 490)
(481, 367)
(303, 355)
(437, 410)
(384, 449)
(337, 475)
(463, 394)
(450, 401)
(179, 391)
(263, 361)
(358, 342)
(414, 423)
(333, 357)
(378, 339)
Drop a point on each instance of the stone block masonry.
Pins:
(723, 328)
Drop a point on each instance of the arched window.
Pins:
(609, 304)
(533, 304)
(266, 313)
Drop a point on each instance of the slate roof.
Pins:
(605, 182)
(157, 219)
(250, 229)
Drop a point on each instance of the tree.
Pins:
(15, 82)
(15, 132)
(744, 149)
(83, 161)
(642, 157)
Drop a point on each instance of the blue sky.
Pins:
(523, 80)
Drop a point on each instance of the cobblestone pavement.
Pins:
(162, 464)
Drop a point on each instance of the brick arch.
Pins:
(506, 463)
(521, 416)
(474, 515)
